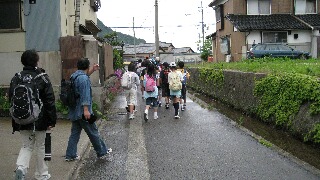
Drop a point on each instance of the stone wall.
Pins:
(237, 89)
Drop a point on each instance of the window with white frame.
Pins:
(274, 37)
(257, 7)
(10, 15)
(305, 6)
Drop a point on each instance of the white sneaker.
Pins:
(19, 174)
(155, 117)
(45, 177)
(177, 116)
(131, 116)
(107, 156)
(72, 159)
(182, 108)
(145, 115)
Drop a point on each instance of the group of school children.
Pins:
(156, 81)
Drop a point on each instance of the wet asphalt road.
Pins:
(202, 144)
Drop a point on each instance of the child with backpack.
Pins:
(158, 70)
(151, 91)
(174, 78)
(186, 76)
(129, 82)
(33, 112)
(164, 83)
(143, 71)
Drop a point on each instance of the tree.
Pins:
(117, 59)
(206, 50)
(112, 39)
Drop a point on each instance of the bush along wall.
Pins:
(4, 102)
(291, 101)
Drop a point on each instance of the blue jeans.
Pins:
(93, 134)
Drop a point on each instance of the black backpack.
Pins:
(25, 102)
(68, 94)
(165, 76)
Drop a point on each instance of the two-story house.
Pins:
(241, 23)
(167, 52)
(61, 31)
(40, 25)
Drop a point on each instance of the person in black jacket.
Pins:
(33, 134)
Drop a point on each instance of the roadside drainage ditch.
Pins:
(309, 153)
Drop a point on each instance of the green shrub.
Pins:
(314, 135)
(61, 108)
(4, 100)
(214, 76)
(268, 65)
(64, 109)
(281, 96)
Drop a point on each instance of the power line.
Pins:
(129, 27)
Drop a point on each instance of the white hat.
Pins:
(172, 64)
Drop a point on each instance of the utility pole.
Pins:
(134, 35)
(156, 29)
(77, 19)
(134, 41)
(202, 26)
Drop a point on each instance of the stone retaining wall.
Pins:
(237, 89)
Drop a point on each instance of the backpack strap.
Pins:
(18, 75)
(42, 76)
(74, 79)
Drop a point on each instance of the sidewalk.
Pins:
(58, 168)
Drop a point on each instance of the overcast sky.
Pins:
(179, 21)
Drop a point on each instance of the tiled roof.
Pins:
(181, 50)
(139, 49)
(311, 19)
(266, 22)
(164, 44)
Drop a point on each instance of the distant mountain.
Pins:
(127, 39)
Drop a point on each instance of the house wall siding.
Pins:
(13, 42)
(282, 7)
(42, 25)
(187, 58)
(237, 39)
(241, 7)
(49, 61)
(67, 12)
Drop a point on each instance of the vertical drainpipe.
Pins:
(77, 19)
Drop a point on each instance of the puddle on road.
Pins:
(306, 152)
